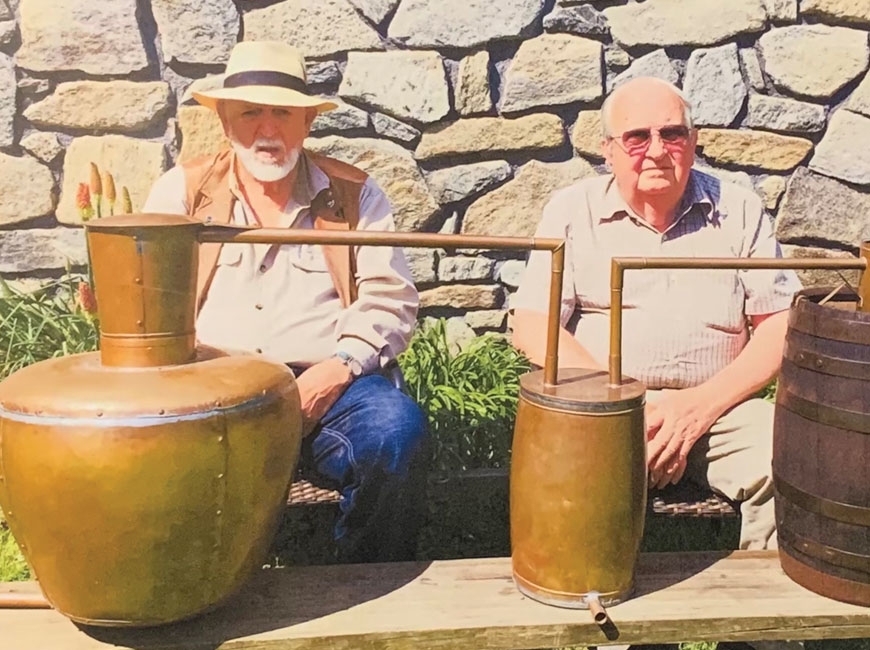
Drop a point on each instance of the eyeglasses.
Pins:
(637, 141)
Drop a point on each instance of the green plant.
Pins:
(55, 320)
(12, 564)
(470, 396)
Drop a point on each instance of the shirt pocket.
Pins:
(308, 258)
(230, 255)
(718, 299)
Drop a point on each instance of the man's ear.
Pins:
(220, 109)
(310, 116)
(605, 150)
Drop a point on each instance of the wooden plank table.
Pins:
(471, 604)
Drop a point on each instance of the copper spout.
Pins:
(599, 614)
(619, 265)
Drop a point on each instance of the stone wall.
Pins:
(468, 112)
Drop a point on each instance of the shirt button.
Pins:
(258, 306)
(258, 351)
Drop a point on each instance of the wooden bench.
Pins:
(471, 605)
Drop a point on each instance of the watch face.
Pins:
(353, 365)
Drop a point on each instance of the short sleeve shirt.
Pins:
(680, 327)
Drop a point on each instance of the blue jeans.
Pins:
(372, 446)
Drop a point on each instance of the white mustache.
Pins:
(268, 143)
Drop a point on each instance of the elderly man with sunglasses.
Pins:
(686, 333)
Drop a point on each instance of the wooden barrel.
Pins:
(821, 448)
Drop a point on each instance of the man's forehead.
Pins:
(647, 106)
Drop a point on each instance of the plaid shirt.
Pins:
(680, 327)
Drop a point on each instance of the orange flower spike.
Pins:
(97, 189)
(83, 197)
(111, 195)
(126, 203)
(96, 183)
(83, 202)
(85, 298)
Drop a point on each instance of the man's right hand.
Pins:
(673, 426)
(319, 388)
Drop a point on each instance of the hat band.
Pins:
(265, 78)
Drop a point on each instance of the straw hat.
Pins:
(265, 72)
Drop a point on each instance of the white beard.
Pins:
(263, 171)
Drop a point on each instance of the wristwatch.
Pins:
(353, 365)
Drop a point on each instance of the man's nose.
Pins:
(268, 126)
(656, 146)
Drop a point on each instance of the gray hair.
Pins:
(607, 106)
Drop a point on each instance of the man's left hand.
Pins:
(320, 387)
(673, 426)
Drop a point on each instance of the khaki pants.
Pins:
(734, 459)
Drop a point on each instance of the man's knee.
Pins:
(738, 453)
(398, 438)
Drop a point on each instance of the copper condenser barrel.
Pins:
(144, 483)
(577, 488)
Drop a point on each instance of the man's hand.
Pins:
(673, 426)
(319, 387)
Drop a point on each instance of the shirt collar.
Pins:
(699, 192)
(310, 181)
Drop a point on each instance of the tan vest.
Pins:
(209, 199)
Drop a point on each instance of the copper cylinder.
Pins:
(145, 281)
(577, 488)
(143, 490)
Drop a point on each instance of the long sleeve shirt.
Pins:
(283, 303)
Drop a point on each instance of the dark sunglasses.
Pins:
(638, 140)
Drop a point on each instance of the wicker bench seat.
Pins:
(683, 500)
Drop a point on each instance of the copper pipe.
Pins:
(551, 361)
(864, 285)
(599, 614)
(234, 235)
(619, 265)
(18, 600)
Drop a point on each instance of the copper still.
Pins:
(144, 482)
(577, 488)
(146, 485)
(578, 471)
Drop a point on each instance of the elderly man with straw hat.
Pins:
(336, 314)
